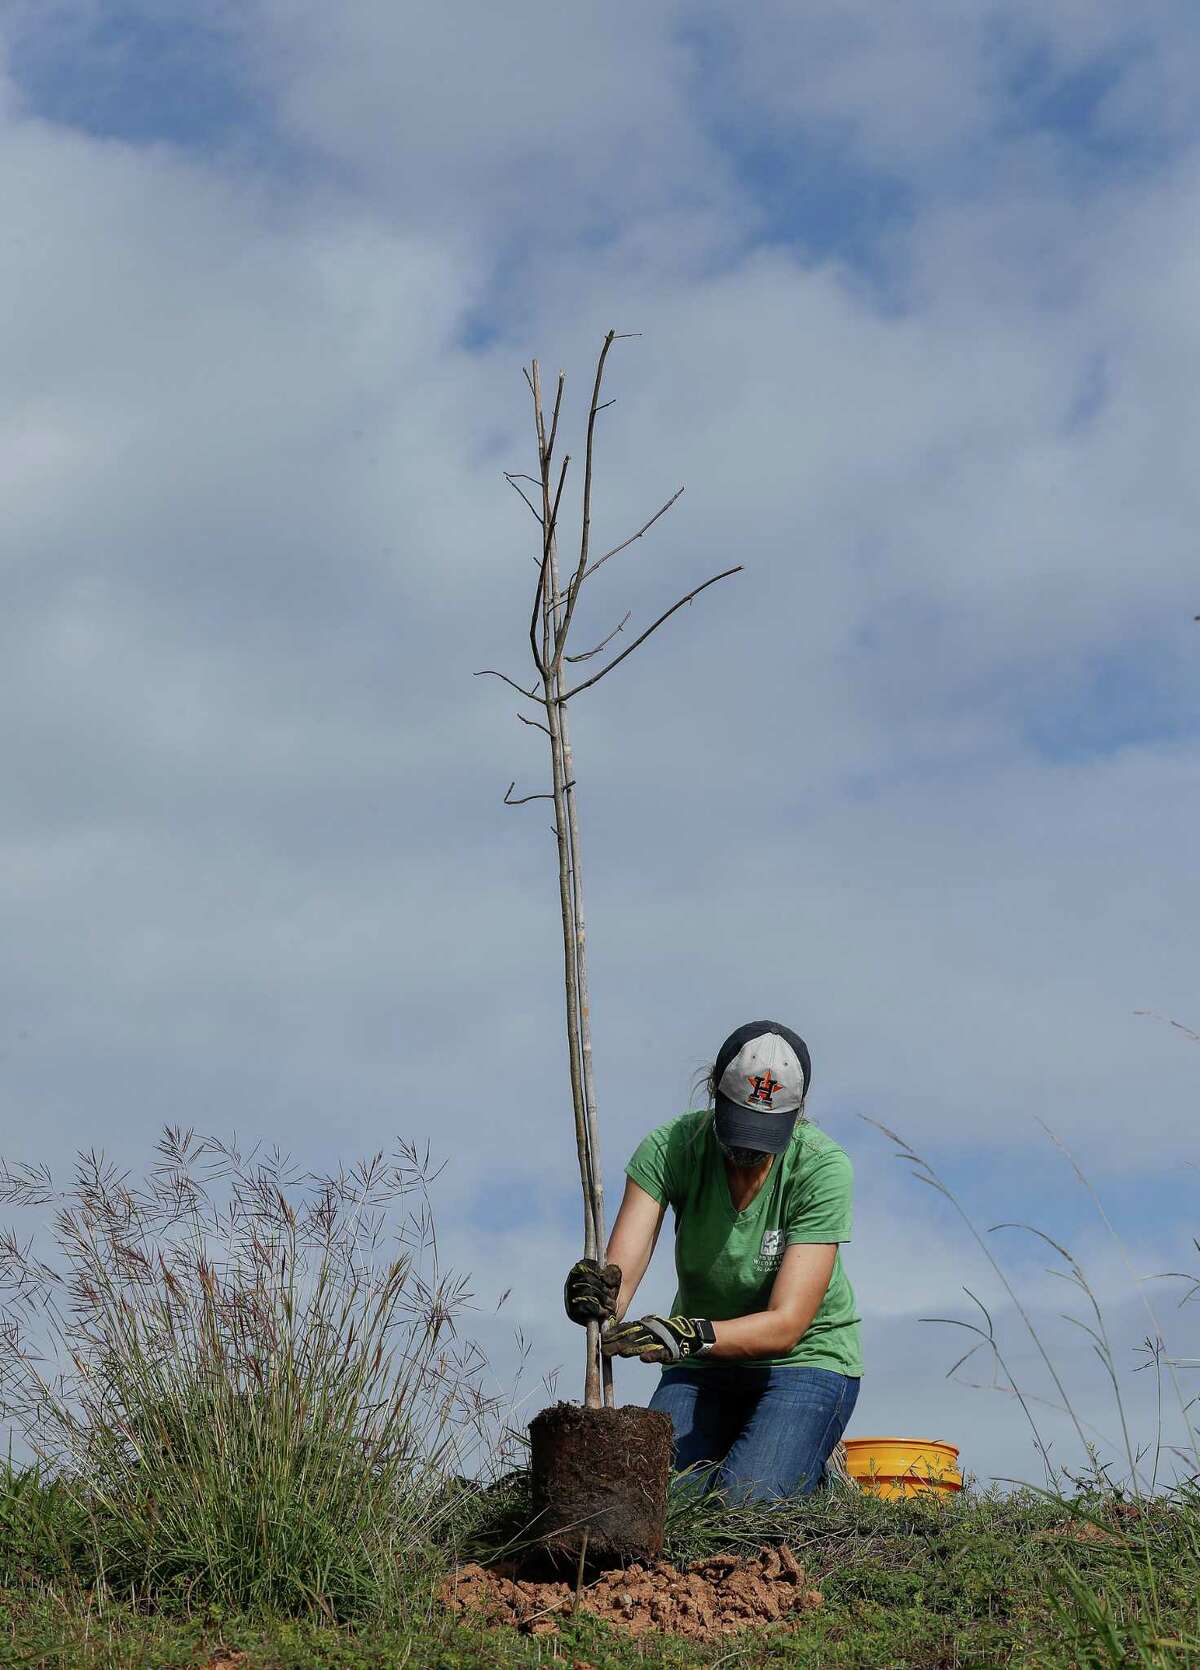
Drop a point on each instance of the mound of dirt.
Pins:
(716, 1597)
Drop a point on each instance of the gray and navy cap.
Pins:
(762, 1075)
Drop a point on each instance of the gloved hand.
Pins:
(591, 1291)
(659, 1339)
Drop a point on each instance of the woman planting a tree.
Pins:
(761, 1361)
(761, 1353)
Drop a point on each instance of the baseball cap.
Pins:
(762, 1072)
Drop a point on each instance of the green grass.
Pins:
(245, 1383)
(252, 1415)
(980, 1580)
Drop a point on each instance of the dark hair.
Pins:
(704, 1083)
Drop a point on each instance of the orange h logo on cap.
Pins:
(763, 1088)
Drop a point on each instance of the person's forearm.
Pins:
(631, 1244)
(765, 1333)
(795, 1300)
(633, 1268)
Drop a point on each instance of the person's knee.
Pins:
(748, 1485)
(691, 1452)
(694, 1478)
(696, 1442)
(745, 1489)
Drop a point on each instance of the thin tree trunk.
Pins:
(568, 894)
(549, 626)
(592, 1221)
(585, 1016)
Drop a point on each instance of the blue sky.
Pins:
(916, 293)
(133, 72)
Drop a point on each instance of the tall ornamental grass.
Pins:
(1138, 1513)
(248, 1379)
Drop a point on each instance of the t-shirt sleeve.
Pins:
(821, 1208)
(653, 1164)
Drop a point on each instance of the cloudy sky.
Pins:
(916, 288)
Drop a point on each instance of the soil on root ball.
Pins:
(602, 1472)
(722, 1594)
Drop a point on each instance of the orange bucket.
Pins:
(892, 1467)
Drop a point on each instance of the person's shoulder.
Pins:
(685, 1132)
(815, 1147)
(668, 1155)
(678, 1135)
(693, 1123)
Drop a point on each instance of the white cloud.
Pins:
(255, 870)
(527, 122)
(938, 93)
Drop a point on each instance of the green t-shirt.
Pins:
(726, 1260)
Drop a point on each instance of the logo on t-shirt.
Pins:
(770, 1254)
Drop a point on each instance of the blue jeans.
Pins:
(756, 1431)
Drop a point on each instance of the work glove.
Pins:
(591, 1291)
(659, 1339)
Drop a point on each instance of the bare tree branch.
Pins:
(536, 726)
(586, 533)
(588, 653)
(490, 672)
(548, 530)
(562, 476)
(512, 482)
(645, 528)
(524, 799)
(554, 420)
(566, 695)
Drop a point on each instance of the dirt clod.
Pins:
(720, 1595)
